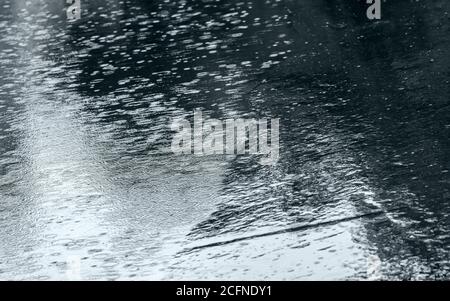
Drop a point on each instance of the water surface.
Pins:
(86, 169)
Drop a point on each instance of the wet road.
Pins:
(86, 169)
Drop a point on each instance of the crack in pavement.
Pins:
(286, 230)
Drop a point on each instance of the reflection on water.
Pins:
(86, 169)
